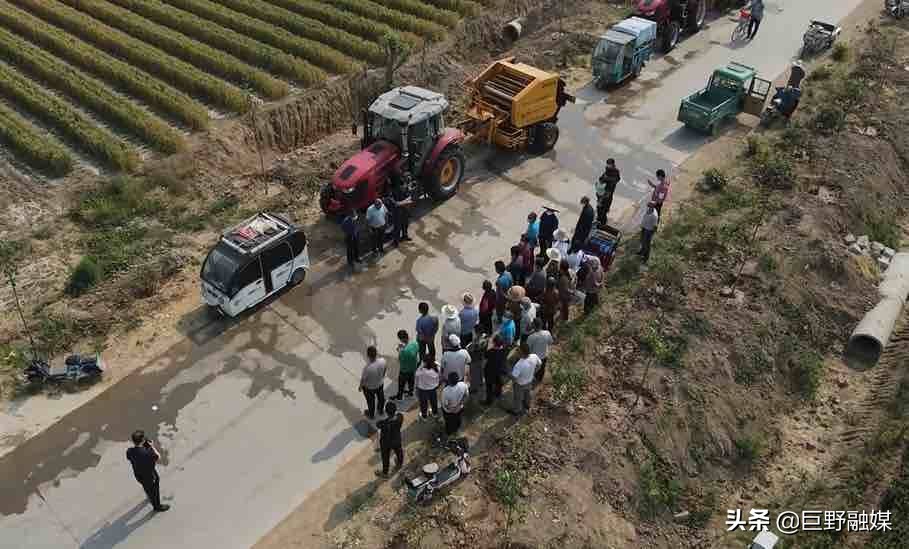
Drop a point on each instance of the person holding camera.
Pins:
(143, 457)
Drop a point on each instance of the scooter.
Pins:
(75, 368)
(423, 487)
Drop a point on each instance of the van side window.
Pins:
(298, 242)
(276, 256)
(247, 275)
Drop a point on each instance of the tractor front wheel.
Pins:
(447, 173)
(325, 195)
(545, 136)
(697, 16)
(671, 36)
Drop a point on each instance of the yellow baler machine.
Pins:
(515, 106)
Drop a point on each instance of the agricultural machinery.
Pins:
(673, 17)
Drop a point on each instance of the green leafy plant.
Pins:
(84, 276)
(840, 52)
(749, 449)
(714, 179)
(807, 370)
(657, 490)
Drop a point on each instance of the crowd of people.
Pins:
(509, 329)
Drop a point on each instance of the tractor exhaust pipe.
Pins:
(514, 29)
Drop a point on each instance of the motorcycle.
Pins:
(76, 368)
(786, 99)
(423, 487)
(819, 36)
(897, 8)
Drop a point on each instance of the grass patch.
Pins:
(116, 202)
(713, 180)
(84, 276)
(840, 52)
(749, 449)
(824, 72)
(658, 491)
(829, 119)
(667, 350)
(807, 372)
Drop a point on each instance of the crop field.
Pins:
(105, 81)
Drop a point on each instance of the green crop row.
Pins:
(464, 7)
(310, 28)
(363, 27)
(396, 19)
(145, 32)
(315, 52)
(78, 53)
(88, 91)
(95, 141)
(214, 35)
(41, 152)
(423, 11)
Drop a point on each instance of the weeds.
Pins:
(829, 119)
(83, 277)
(511, 478)
(658, 491)
(824, 72)
(713, 180)
(568, 382)
(116, 202)
(840, 52)
(668, 351)
(807, 372)
(749, 449)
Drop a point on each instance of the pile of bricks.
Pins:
(864, 246)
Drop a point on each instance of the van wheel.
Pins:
(298, 277)
(545, 137)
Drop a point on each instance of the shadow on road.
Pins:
(115, 532)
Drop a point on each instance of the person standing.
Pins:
(456, 360)
(390, 439)
(593, 282)
(565, 289)
(538, 343)
(376, 218)
(470, 318)
(528, 315)
(533, 231)
(428, 387)
(408, 357)
(372, 382)
(493, 368)
(507, 329)
(648, 228)
(527, 258)
(516, 266)
(143, 456)
(549, 304)
(427, 328)
(585, 224)
(536, 284)
(522, 379)
(562, 242)
(451, 326)
(549, 222)
(351, 228)
(757, 14)
(454, 395)
(660, 191)
(403, 203)
(605, 189)
(504, 282)
(487, 308)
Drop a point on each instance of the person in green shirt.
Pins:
(408, 359)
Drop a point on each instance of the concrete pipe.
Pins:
(514, 28)
(873, 332)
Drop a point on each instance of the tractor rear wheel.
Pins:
(545, 136)
(671, 36)
(325, 196)
(446, 173)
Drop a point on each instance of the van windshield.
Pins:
(220, 266)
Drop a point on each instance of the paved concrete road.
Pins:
(253, 415)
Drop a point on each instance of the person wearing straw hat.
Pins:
(470, 317)
(451, 326)
(562, 243)
(566, 291)
(549, 222)
(552, 267)
(515, 295)
(456, 360)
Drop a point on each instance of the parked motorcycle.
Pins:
(897, 8)
(819, 37)
(786, 99)
(76, 368)
(423, 487)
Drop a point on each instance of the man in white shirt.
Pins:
(522, 379)
(648, 228)
(455, 359)
(538, 343)
(454, 395)
(376, 218)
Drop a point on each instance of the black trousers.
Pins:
(485, 323)
(378, 239)
(591, 300)
(548, 320)
(753, 27)
(405, 384)
(152, 487)
(427, 348)
(604, 204)
(545, 244)
(373, 397)
(493, 385)
(452, 422)
(466, 339)
(353, 249)
(541, 371)
(429, 398)
(402, 222)
(386, 457)
(646, 240)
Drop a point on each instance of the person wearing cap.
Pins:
(470, 317)
(584, 225)
(605, 190)
(451, 325)
(549, 222)
(515, 295)
(536, 284)
(528, 315)
(648, 228)
(538, 342)
(408, 358)
(487, 308)
(549, 304)
(455, 360)
(660, 191)
(503, 283)
(562, 242)
(507, 329)
(522, 375)
(533, 230)
(454, 396)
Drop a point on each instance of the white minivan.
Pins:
(252, 261)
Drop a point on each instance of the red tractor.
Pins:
(404, 142)
(672, 18)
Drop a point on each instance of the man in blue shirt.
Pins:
(757, 14)
(507, 330)
(503, 282)
(351, 228)
(427, 327)
(533, 230)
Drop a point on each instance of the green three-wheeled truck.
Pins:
(732, 89)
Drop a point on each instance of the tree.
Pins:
(396, 52)
(9, 265)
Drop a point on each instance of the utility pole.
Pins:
(10, 275)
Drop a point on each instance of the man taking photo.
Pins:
(143, 457)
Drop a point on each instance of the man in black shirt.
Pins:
(143, 457)
(390, 438)
(496, 353)
(585, 224)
